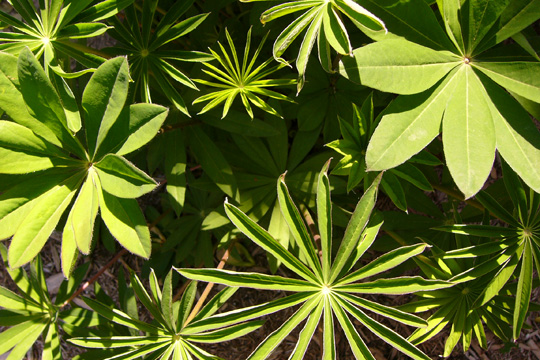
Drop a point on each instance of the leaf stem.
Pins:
(313, 230)
(208, 288)
(95, 277)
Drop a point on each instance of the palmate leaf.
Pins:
(49, 28)
(353, 147)
(509, 249)
(58, 168)
(172, 334)
(32, 314)
(326, 290)
(323, 22)
(243, 80)
(456, 83)
(147, 49)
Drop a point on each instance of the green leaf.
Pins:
(34, 230)
(186, 304)
(71, 109)
(262, 238)
(119, 317)
(102, 10)
(361, 17)
(451, 11)
(152, 305)
(390, 65)
(495, 208)
(167, 302)
(518, 139)
(392, 187)
(335, 31)
(125, 221)
(12, 301)
(468, 134)
(135, 127)
(518, 15)
(20, 338)
(355, 228)
(43, 102)
(410, 123)
(304, 338)
(480, 230)
(51, 346)
(118, 341)
(518, 77)
(413, 175)
(385, 262)
(324, 220)
(482, 15)
(234, 316)
(458, 322)
(17, 162)
(21, 139)
(212, 161)
(384, 310)
(103, 100)
(329, 343)
(215, 303)
(12, 102)
(383, 332)
(413, 20)
(523, 293)
(83, 214)
(393, 286)
(251, 280)
(297, 226)
(307, 46)
(121, 178)
(275, 338)
(82, 30)
(359, 348)
(225, 334)
(175, 169)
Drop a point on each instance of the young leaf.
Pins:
(121, 178)
(103, 100)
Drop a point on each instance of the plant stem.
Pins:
(95, 277)
(457, 195)
(208, 288)
(312, 229)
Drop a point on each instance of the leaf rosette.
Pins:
(322, 18)
(328, 288)
(458, 79)
(173, 334)
(54, 165)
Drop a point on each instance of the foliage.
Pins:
(55, 165)
(49, 29)
(353, 148)
(325, 27)
(147, 50)
(84, 165)
(517, 244)
(457, 83)
(33, 313)
(176, 330)
(245, 81)
(331, 288)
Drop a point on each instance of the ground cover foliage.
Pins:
(213, 128)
